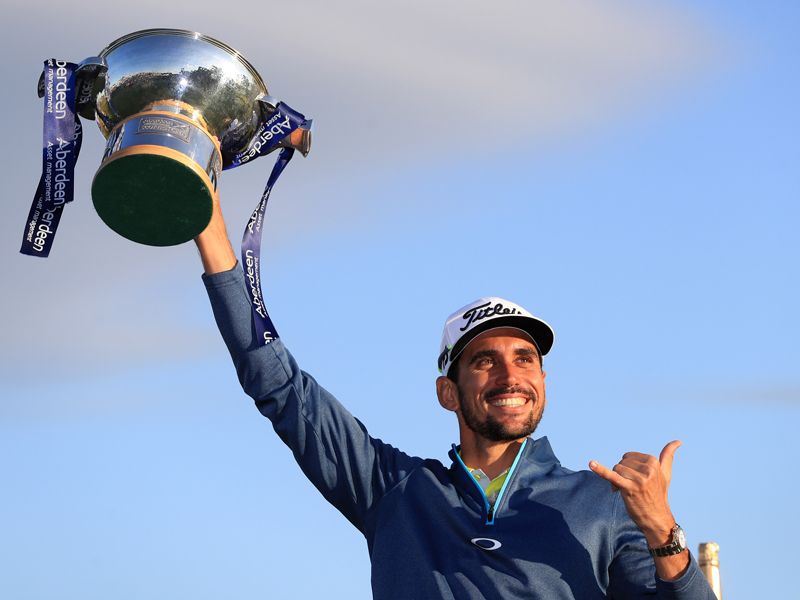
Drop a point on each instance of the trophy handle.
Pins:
(299, 139)
(268, 104)
(89, 76)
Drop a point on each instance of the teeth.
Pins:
(508, 401)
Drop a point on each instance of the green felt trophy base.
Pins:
(153, 198)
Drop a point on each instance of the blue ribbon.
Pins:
(271, 133)
(251, 255)
(61, 145)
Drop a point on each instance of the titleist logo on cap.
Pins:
(484, 311)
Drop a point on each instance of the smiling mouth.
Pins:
(513, 401)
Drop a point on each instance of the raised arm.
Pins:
(215, 248)
(351, 469)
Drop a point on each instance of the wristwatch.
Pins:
(676, 545)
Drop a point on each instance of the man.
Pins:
(505, 520)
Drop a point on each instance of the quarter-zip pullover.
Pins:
(553, 533)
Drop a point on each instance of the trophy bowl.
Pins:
(175, 107)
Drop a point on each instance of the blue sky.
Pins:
(628, 173)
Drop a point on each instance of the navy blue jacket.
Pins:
(554, 533)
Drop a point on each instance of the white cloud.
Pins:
(380, 79)
(413, 70)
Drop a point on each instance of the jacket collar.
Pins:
(536, 460)
(537, 457)
(538, 451)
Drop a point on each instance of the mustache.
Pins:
(530, 393)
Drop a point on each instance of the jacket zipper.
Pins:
(486, 505)
(491, 511)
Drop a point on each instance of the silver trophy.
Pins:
(175, 106)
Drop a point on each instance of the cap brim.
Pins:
(540, 332)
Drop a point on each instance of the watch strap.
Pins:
(676, 545)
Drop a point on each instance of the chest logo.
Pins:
(486, 543)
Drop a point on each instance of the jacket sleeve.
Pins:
(351, 469)
(632, 574)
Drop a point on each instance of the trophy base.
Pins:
(152, 199)
(156, 183)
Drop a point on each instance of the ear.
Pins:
(447, 392)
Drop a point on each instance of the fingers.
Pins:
(667, 456)
(639, 457)
(616, 480)
(216, 207)
(638, 467)
(638, 472)
(626, 475)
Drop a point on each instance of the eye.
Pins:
(483, 361)
(526, 359)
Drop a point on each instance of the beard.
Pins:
(494, 430)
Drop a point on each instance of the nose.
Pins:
(506, 373)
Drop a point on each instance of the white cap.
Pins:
(482, 315)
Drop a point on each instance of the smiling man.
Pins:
(505, 519)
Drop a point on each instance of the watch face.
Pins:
(680, 537)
